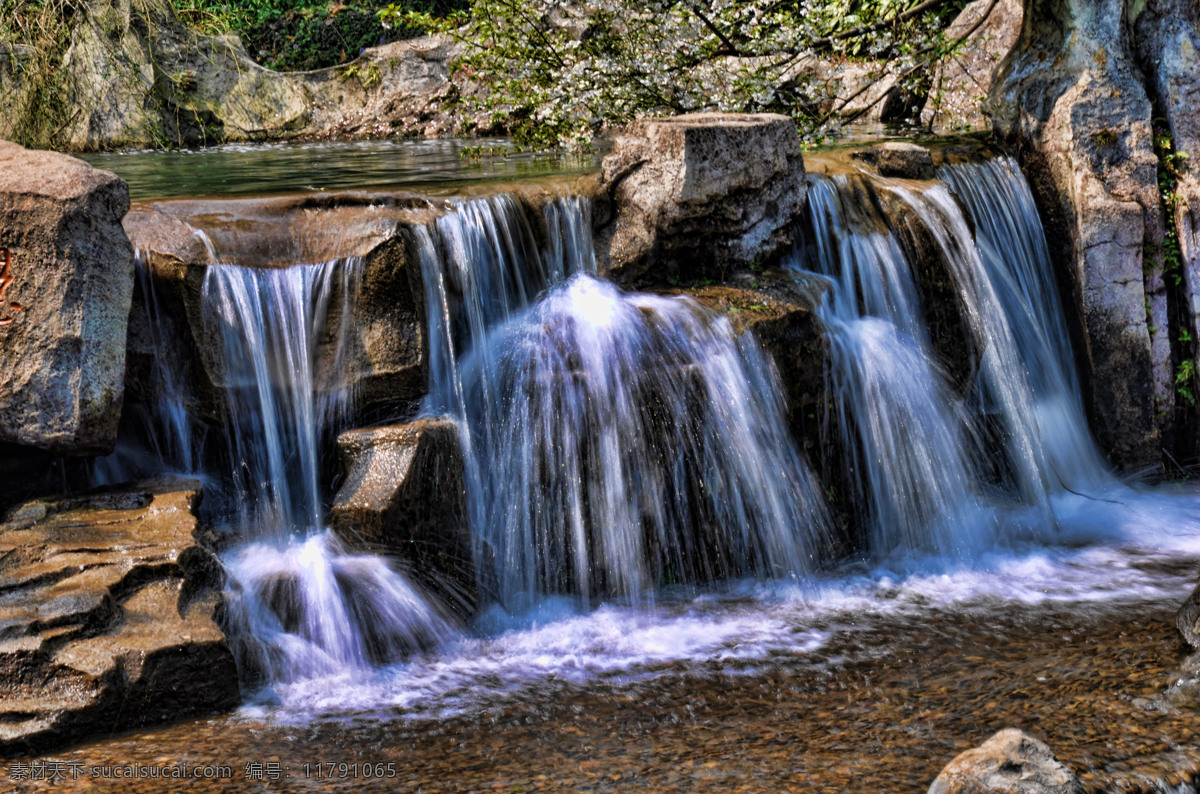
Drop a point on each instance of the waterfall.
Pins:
(168, 438)
(915, 471)
(615, 442)
(269, 323)
(304, 606)
(1012, 249)
(922, 447)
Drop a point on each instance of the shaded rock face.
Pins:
(700, 193)
(404, 493)
(66, 282)
(1167, 35)
(1011, 762)
(108, 616)
(1071, 100)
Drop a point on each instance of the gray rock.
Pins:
(899, 159)
(1070, 98)
(700, 193)
(1188, 619)
(108, 608)
(66, 297)
(1167, 35)
(404, 493)
(1011, 762)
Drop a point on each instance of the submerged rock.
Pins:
(66, 282)
(700, 193)
(1011, 762)
(108, 616)
(404, 493)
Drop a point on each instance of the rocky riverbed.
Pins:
(882, 705)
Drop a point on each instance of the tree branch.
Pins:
(716, 32)
(828, 41)
(903, 75)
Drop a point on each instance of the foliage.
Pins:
(34, 36)
(1171, 165)
(1185, 379)
(557, 71)
(312, 34)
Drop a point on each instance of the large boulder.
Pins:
(108, 617)
(380, 357)
(404, 493)
(1070, 99)
(700, 193)
(1011, 762)
(66, 281)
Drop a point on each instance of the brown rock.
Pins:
(899, 159)
(383, 353)
(404, 492)
(108, 607)
(700, 193)
(1011, 762)
(66, 284)
(1188, 619)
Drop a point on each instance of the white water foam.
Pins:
(1142, 546)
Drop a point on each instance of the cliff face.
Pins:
(1077, 98)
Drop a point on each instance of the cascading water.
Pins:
(920, 445)
(168, 439)
(269, 322)
(306, 608)
(615, 442)
(1013, 252)
(916, 474)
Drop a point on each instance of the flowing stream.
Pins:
(637, 506)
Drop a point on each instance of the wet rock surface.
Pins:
(382, 354)
(898, 159)
(404, 494)
(699, 193)
(1011, 762)
(108, 616)
(66, 283)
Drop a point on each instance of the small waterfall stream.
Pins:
(305, 607)
(922, 447)
(615, 442)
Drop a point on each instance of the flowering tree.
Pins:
(558, 71)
